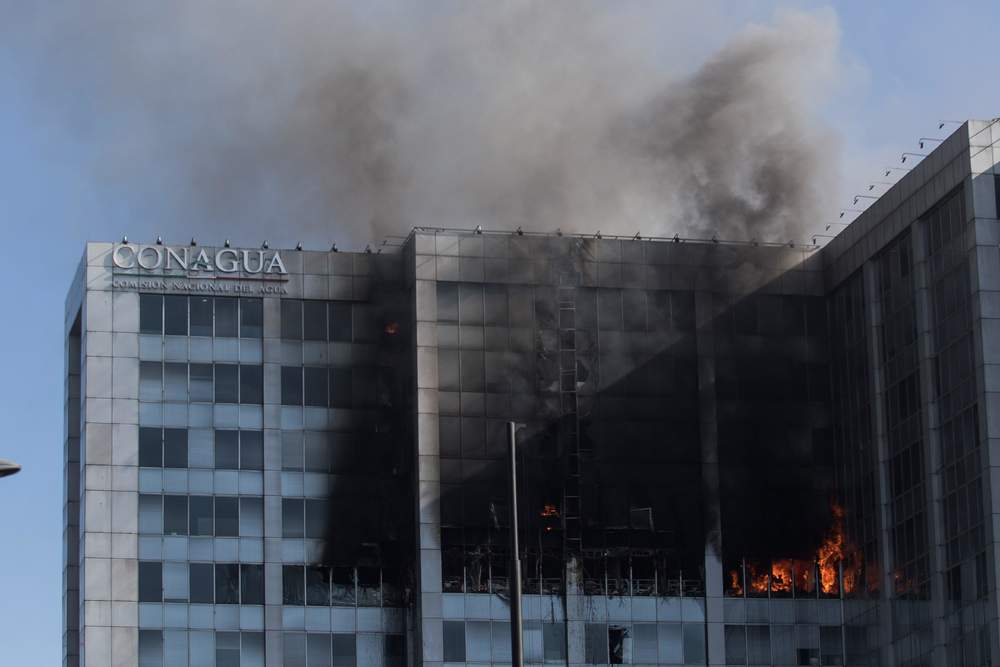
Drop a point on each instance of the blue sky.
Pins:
(908, 65)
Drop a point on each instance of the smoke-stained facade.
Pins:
(729, 453)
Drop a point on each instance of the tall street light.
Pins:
(516, 639)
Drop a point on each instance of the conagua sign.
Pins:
(223, 260)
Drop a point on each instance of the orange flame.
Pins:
(549, 510)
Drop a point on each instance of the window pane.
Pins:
(340, 322)
(671, 648)
(344, 650)
(291, 517)
(201, 315)
(454, 641)
(694, 643)
(251, 450)
(150, 514)
(316, 513)
(227, 649)
(554, 642)
(175, 382)
(150, 582)
(291, 319)
(150, 381)
(175, 582)
(291, 385)
(291, 450)
(252, 654)
(175, 515)
(227, 583)
(226, 383)
(201, 387)
(252, 385)
(318, 585)
(175, 314)
(175, 448)
(596, 643)
(252, 584)
(293, 649)
(316, 392)
(736, 645)
(343, 586)
(227, 513)
(150, 448)
(251, 318)
(318, 647)
(317, 451)
(395, 651)
(150, 314)
(292, 585)
(225, 317)
(227, 450)
(314, 320)
(477, 641)
(340, 388)
(202, 585)
(201, 515)
(150, 648)
(251, 517)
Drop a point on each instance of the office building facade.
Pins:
(730, 453)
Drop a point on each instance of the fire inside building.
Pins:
(728, 453)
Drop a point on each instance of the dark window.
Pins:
(454, 638)
(227, 649)
(344, 651)
(150, 447)
(291, 385)
(395, 651)
(316, 514)
(201, 316)
(318, 649)
(150, 314)
(150, 581)
(201, 384)
(227, 516)
(175, 515)
(340, 388)
(736, 645)
(291, 319)
(318, 585)
(554, 642)
(315, 387)
(343, 586)
(252, 584)
(227, 583)
(340, 322)
(227, 450)
(292, 586)
(227, 389)
(251, 318)
(291, 517)
(150, 648)
(201, 515)
(201, 583)
(251, 450)
(314, 320)
(225, 317)
(175, 315)
(175, 448)
(251, 385)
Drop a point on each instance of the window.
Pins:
(150, 381)
(202, 386)
(251, 318)
(291, 319)
(344, 650)
(291, 450)
(252, 584)
(150, 581)
(150, 648)
(314, 320)
(251, 384)
(175, 315)
(554, 642)
(644, 643)
(293, 649)
(251, 450)
(201, 583)
(316, 393)
(316, 518)
(150, 514)
(318, 586)
(251, 517)
(201, 519)
(341, 326)
(292, 585)
(454, 641)
(291, 385)
(292, 524)
(227, 516)
(736, 645)
(596, 643)
(175, 515)
(395, 651)
(151, 314)
(227, 388)
(175, 582)
(225, 317)
(227, 583)
(227, 649)
(201, 315)
(175, 448)
(318, 649)
(694, 643)
(175, 381)
(227, 450)
(150, 448)
(341, 395)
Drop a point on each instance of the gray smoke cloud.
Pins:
(353, 121)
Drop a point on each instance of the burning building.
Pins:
(729, 453)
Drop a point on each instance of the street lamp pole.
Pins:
(516, 638)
